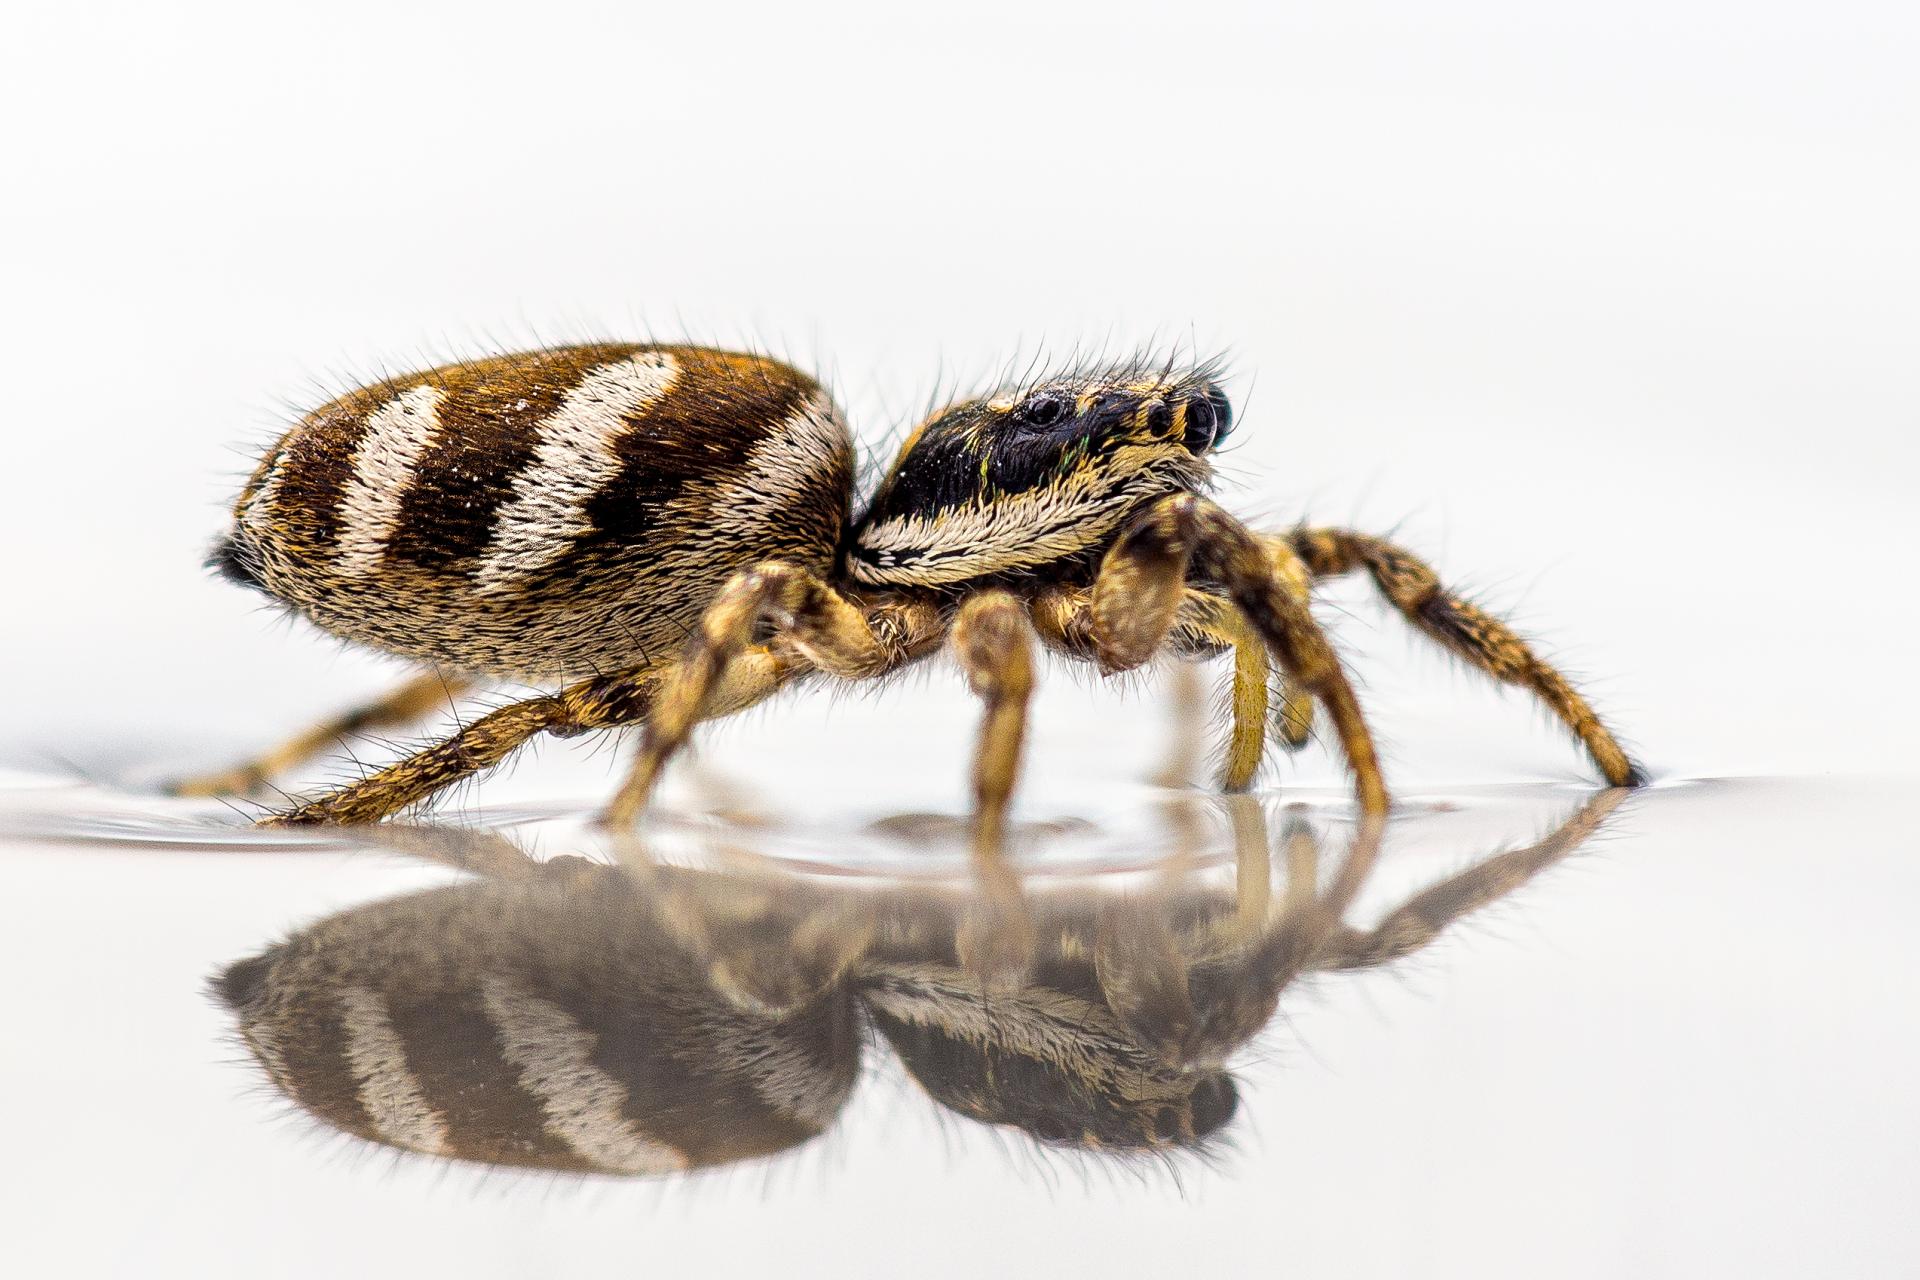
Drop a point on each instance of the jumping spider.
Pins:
(570, 516)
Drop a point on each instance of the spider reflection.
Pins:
(572, 1015)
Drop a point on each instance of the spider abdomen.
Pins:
(544, 514)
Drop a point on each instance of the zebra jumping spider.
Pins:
(571, 516)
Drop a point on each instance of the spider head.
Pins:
(1036, 474)
(1070, 1078)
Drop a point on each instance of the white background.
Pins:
(1613, 310)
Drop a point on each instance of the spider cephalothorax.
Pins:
(666, 533)
(1035, 476)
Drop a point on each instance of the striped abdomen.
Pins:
(546, 514)
(548, 1025)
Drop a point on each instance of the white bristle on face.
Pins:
(398, 435)
(389, 1091)
(584, 1105)
(576, 458)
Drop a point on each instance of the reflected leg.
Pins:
(1421, 918)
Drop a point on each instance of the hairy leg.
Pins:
(598, 703)
(993, 643)
(1141, 584)
(1293, 704)
(1237, 975)
(420, 696)
(1421, 918)
(1465, 630)
(807, 617)
(1292, 713)
(1203, 625)
(1247, 740)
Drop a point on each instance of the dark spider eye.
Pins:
(1051, 1129)
(1215, 1099)
(1042, 410)
(1209, 418)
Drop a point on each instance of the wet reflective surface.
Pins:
(1537, 1028)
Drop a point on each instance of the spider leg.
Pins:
(994, 645)
(420, 696)
(1292, 714)
(1203, 624)
(1309, 916)
(1145, 958)
(1293, 708)
(1421, 918)
(1463, 629)
(1236, 979)
(1220, 622)
(807, 617)
(1284, 712)
(1141, 584)
(597, 703)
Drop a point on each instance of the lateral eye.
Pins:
(1043, 409)
(1051, 1129)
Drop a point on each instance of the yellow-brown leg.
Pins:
(1293, 705)
(419, 697)
(994, 646)
(1292, 714)
(1203, 624)
(1239, 975)
(807, 617)
(598, 703)
(1283, 712)
(1247, 739)
(1421, 919)
(1145, 956)
(993, 643)
(1465, 630)
(1313, 915)
(1141, 584)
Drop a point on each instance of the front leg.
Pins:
(1463, 629)
(1143, 580)
(1204, 624)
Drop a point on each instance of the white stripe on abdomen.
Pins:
(389, 1092)
(584, 1105)
(398, 434)
(575, 458)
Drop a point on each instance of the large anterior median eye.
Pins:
(1209, 418)
(1042, 409)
